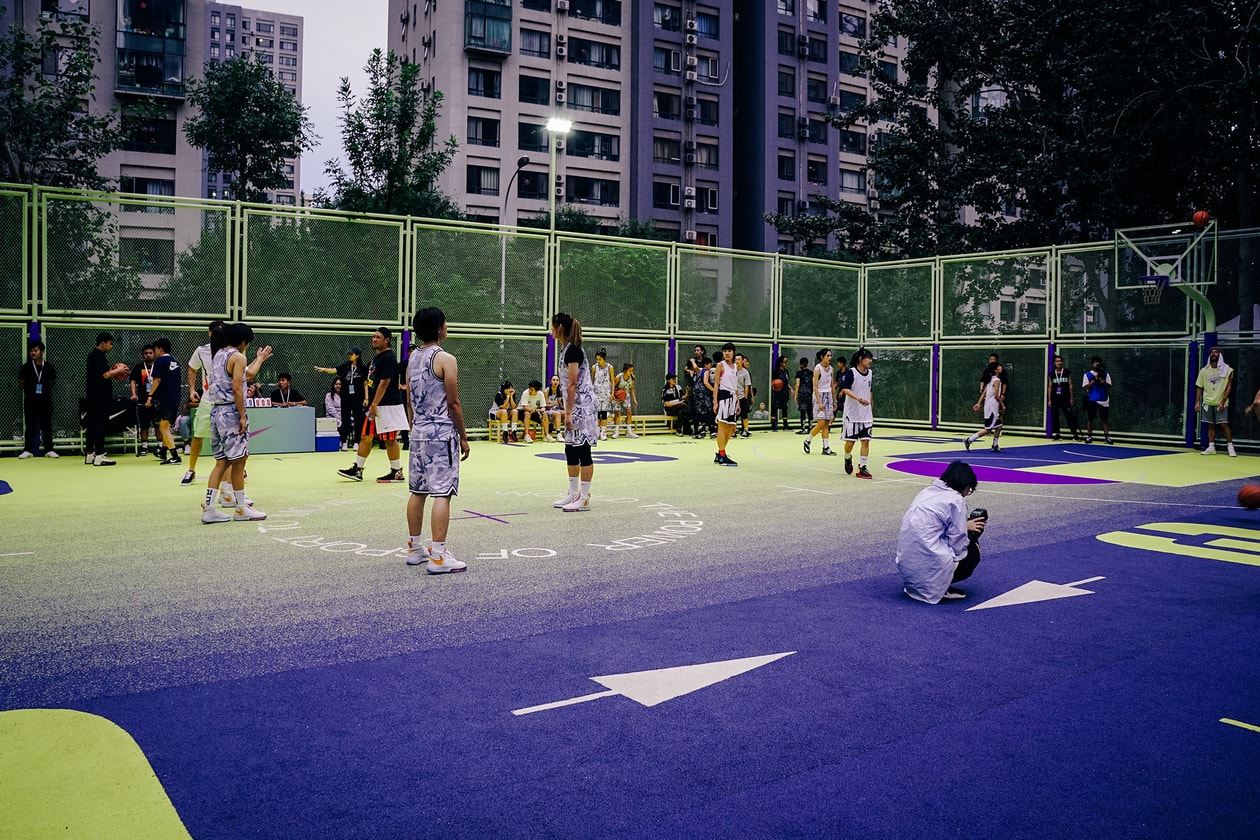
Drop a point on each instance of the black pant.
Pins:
(806, 408)
(968, 564)
(352, 416)
(37, 412)
(97, 425)
(1066, 407)
(778, 406)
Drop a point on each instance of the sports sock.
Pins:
(573, 484)
(212, 495)
(722, 452)
(585, 488)
(436, 547)
(826, 443)
(359, 461)
(416, 541)
(395, 463)
(848, 456)
(862, 461)
(239, 498)
(225, 488)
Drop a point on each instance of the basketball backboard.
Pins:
(1185, 254)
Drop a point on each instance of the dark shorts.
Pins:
(745, 406)
(1094, 411)
(162, 411)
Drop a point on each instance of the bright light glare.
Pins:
(557, 125)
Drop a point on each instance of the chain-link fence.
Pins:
(1148, 393)
(612, 286)
(481, 277)
(995, 295)
(1090, 304)
(899, 302)
(724, 293)
(820, 300)
(13, 347)
(1025, 369)
(13, 254)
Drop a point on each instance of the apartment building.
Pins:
(268, 37)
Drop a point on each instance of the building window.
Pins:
(888, 71)
(816, 171)
(707, 111)
(230, 20)
(215, 19)
(707, 155)
(288, 31)
(148, 256)
(483, 180)
(147, 186)
(601, 191)
(665, 195)
(285, 200)
(666, 150)
(265, 43)
(787, 81)
(214, 35)
(707, 25)
(531, 137)
(535, 43)
(532, 185)
(852, 181)
(818, 50)
(288, 46)
(597, 100)
(594, 54)
(787, 124)
(668, 18)
(786, 205)
(483, 131)
(156, 136)
(666, 61)
(285, 60)
(850, 63)
(604, 11)
(787, 165)
(214, 50)
(534, 91)
(787, 7)
(66, 8)
(488, 25)
(592, 144)
(711, 67)
(706, 200)
(816, 89)
(266, 58)
(787, 42)
(817, 131)
(482, 82)
(536, 5)
(853, 26)
(667, 106)
(816, 10)
(265, 28)
(852, 142)
(850, 100)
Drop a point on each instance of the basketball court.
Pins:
(708, 652)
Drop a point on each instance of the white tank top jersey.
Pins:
(991, 405)
(729, 378)
(824, 378)
(854, 410)
(430, 413)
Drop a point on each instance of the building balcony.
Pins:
(488, 27)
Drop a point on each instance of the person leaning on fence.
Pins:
(939, 543)
(1212, 389)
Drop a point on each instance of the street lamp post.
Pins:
(521, 163)
(555, 126)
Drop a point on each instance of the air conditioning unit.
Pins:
(689, 160)
(562, 5)
(559, 97)
(690, 192)
(405, 17)
(559, 192)
(803, 40)
(692, 61)
(690, 145)
(689, 236)
(873, 204)
(560, 84)
(873, 141)
(802, 122)
(802, 51)
(689, 101)
(689, 204)
(692, 76)
(692, 26)
(692, 40)
(689, 114)
(427, 40)
(560, 39)
(834, 102)
(802, 133)
(560, 52)
(559, 144)
(802, 206)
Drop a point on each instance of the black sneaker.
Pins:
(848, 466)
(1108, 438)
(188, 478)
(864, 473)
(827, 451)
(173, 458)
(996, 448)
(512, 437)
(953, 594)
(717, 457)
(727, 462)
(392, 477)
(160, 453)
(144, 450)
(352, 473)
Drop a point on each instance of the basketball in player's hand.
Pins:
(119, 371)
(1249, 496)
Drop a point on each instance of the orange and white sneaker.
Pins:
(417, 553)
(579, 505)
(443, 563)
(245, 513)
(211, 515)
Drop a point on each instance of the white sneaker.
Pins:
(616, 433)
(51, 455)
(569, 498)
(211, 515)
(187, 449)
(1210, 450)
(579, 505)
(102, 461)
(248, 514)
(602, 436)
(416, 554)
(444, 563)
(25, 455)
(227, 500)
(631, 433)
(1230, 449)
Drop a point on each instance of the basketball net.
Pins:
(1153, 288)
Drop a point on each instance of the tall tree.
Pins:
(47, 137)
(249, 123)
(390, 141)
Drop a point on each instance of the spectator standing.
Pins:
(779, 390)
(1097, 386)
(1061, 399)
(385, 414)
(141, 384)
(745, 391)
(352, 373)
(164, 394)
(1212, 390)
(36, 378)
(98, 386)
(803, 393)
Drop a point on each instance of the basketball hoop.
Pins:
(1153, 286)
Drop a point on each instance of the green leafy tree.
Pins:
(249, 123)
(569, 219)
(47, 137)
(393, 156)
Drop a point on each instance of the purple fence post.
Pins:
(551, 356)
(936, 385)
(1050, 354)
(1193, 364)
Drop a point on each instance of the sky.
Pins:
(339, 36)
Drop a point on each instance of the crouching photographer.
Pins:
(939, 541)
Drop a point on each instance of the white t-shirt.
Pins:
(201, 361)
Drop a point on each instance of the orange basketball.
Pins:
(1249, 496)
(1201, 217)
(777, 384)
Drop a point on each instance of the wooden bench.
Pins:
(659, 423)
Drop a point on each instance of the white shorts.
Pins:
(727, 408)
(858, 429)
(391, 418)
(201, 420)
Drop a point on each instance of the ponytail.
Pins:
(218, 339)
(570, 328)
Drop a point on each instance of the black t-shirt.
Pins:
(574, 356)
(44, 376)
(671, 392)
(846, 381)
(352, 377)
(277, 396)
(384, 366)
(142, 375)
(805, 384)
(166, 368)
(95, 386)
(1061, 385)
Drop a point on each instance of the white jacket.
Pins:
(933, 539)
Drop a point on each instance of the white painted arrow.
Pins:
(1036, 590)
(653, 687)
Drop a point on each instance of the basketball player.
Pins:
(386, 415)
(437, 429)
(725, 401)
(581, 421)
(229, 425)
(824, 401)
(858, 420)
(994, 402)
